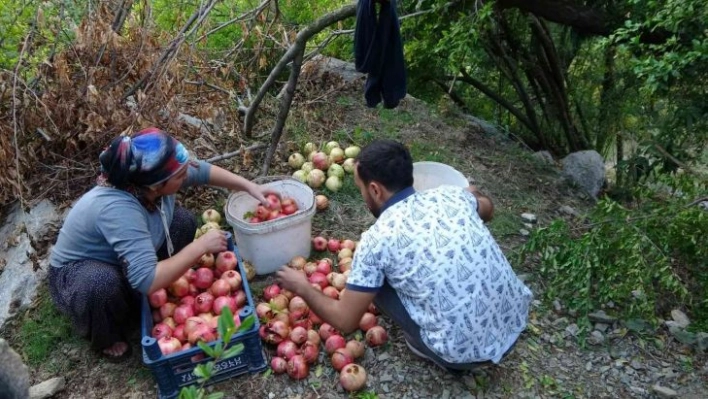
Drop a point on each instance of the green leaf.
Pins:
(226, 324)
(206, 348)
(215, 395)
(202, 371)
(268, 373)
(189, 392)
(247, 323)
(235, 350)
(318, 370)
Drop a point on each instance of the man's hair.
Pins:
(387, 162)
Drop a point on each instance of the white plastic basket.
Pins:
(269, 245)
(427, 175)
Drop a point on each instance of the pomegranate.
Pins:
(309, 148)
(169, 345)
(309, 268)
(314, 318)
(240, 299)
(349, 164)
(321, 202)
(326, 331)
(296, 160)
(271, 291)
(376, 336)
(193, 290)
(298, 262)
(356, 348)
(278, 364)
(190, 275)
(320, 161)
(156, 318)
(237, 318)
(167, 310)
(262, 212)
(300, 318)
(314, 337)
(339, 281)
(211, 215)
(220, 288)
(288, 294)
(345, 264)
(201, 333)
(337, 156)
(276, 332)
(333, 343)
(333, 183)
(352, 377)
(297, 303)
(158, 298)
(204, 278)
(224, 302)
(297, 367)
(340, 358)
(206, 260)
(345, 253)
(204, 302)
(279, 302)
(264, 311)
(319, 279)
(187, 300)
(182, 313)
(333, 245)
(289, 209)
(287, 349)
(348, 244)
(161, 330)
(298, 335)
(233, 278)
(368, 320)
(273, 201)
(170, 322)
(209, 319)
(319, 243)
(192, 323)
(324, 266)
(331, 292)
(372, 309)
(317, 286)
(310, 351)
(179, 333)
(225, 261)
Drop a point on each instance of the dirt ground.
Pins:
(548, 361)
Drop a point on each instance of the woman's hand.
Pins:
(213, 241)
(259, 192)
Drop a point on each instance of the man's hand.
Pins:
(292, 280)
(485, 207)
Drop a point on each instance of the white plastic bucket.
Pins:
(269, 245)
(427, 175)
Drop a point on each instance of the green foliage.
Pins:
(205, 371)
(42, 330)
(647, 258)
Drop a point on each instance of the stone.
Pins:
(529, 217)
(596, 338)
(663, 391)
(586, 169)
(572, 330)
(47, 388)
(14, 375)
(528, 226)
(601, 317)
(685, 337)
(568, 210)
(21, 276)
(544, 157)
(601, 327)
(320, 66)
(702, 341)
(384, 356)
(524, 232)
(680, 318)
(386, 377)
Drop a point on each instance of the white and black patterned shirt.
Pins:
(449, 272)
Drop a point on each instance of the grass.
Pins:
(504, 223)
(42, 329)
(426, 151)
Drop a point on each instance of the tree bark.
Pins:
(584, 19)
(285, 103)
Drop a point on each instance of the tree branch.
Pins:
(300, 42)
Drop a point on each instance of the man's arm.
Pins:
(485, 207)
(343, 314)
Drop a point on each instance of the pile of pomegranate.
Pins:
(277, 208)
(323, 166)
(188, 310)
(300, 338)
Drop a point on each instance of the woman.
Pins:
(126, 236)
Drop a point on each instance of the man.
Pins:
(429, 264)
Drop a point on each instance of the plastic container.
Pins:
(174, 371)
(269, 245)
(427, 175)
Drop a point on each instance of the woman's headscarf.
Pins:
(149, 157)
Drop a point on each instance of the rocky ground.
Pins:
(624, 359)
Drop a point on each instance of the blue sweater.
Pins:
(378, 51)
(111, 226)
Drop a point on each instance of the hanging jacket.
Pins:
(378, 52)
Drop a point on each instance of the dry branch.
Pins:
(297, 48)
